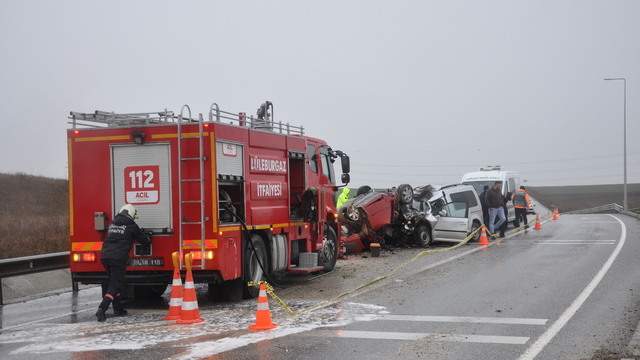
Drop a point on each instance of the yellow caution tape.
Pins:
(514, 230)
(269, 288)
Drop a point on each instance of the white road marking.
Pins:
(385, 335)
(576, 242)
(463, 319)
(548, 335)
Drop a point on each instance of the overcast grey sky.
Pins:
(414, 91)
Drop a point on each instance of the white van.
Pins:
(488, 175)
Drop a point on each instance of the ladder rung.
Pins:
(191, 223)
(184, 159)
(191, 137)
(191, 201)
(191, 180)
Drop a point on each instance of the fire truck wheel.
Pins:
(148, 291)
(252, 270)
(422, 235)
(328, 255)
(406, 194)
(364, 189)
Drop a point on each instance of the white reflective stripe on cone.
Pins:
(263, 293)
(189, 305)
(175, 302)
(263, 306)
(176, 282)
(189, 285)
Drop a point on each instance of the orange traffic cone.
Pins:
(537, 227)
(555, 214)
(483, 237)
(190, 313)
(263, 314)
(175, 304)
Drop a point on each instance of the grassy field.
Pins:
(34, 215)
(570, 198)
(34, 210)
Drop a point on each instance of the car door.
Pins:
(452, 225)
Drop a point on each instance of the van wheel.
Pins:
(406, 194)
(252, 272)
(474, 227)
(422, 236)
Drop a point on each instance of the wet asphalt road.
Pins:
(568, 291)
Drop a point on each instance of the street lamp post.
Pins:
(624, 200)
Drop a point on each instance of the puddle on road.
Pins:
(226, 328)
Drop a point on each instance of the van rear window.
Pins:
(465, 196)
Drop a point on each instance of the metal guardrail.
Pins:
(600, 209)
(32, 264)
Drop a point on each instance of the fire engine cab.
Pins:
(247, 196)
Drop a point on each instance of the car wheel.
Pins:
(406, 194)
(328, 255)
(252, 270)
(422, 235)
(364, 189)
(474, 227)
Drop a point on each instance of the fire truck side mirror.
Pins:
(346, 166)
(345, 178)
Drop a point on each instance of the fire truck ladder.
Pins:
(184, 222)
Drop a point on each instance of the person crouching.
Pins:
(114, 256)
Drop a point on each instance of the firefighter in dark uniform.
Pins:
(114, 256)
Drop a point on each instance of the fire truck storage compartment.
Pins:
(231, 200)
(296, 183)
(141, 176)
(230, 169)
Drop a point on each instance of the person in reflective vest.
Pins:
(521, 203)
(344, 197)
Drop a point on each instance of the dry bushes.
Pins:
(34, 215)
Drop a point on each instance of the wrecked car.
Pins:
(410, 216)
(387, 218)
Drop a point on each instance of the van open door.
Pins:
(452, 225)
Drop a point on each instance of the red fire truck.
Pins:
(247, 196)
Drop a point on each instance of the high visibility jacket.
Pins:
(521, 199)
(344, 197)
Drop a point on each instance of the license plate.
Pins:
(146, 262)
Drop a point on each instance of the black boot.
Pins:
(121, 312)
(100, 315)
